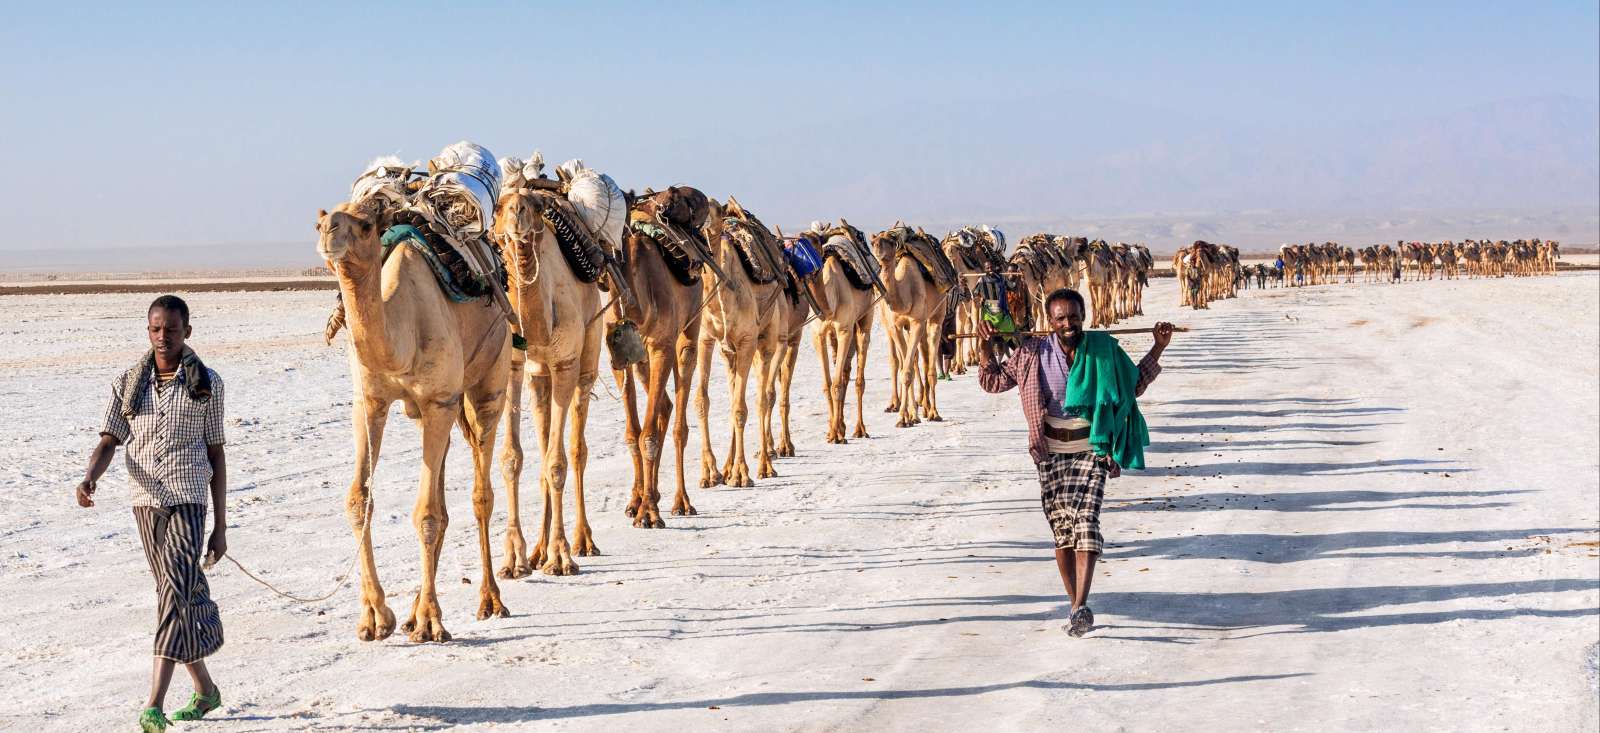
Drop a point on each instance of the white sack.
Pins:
(384, 171)
(598, 201)
(467, 170)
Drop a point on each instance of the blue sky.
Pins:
(201, 124)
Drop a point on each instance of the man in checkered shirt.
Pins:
(167, 411)
(1072, 476)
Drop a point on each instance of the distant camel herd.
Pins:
(1208, 272)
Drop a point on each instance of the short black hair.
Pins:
(170, 303)
(1065, 294)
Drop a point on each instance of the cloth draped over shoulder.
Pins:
(1101, 387)
(195, 377)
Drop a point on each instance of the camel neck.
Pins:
(361, 287)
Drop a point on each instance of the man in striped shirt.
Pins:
(1071, 476)
(167, 412)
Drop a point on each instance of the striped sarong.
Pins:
(188, 625)
(1071, 487)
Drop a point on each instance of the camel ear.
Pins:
(321, 215)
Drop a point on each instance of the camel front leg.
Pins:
(863, 338)
(430, 519)
(478, 423)
(835, 399)
(682, 379)
(539, 402)
(660, 366)
(739, 362)
(375, 621)
(930, 353)
(631, 431)
(709, 475)
(892, 327)
(582, 535)
(786, 379)
(515, 564)
(563, 380)
(767, 371)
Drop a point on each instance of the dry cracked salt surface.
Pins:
(1368, 507)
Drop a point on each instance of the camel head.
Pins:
(349, 231)
(519, 217)
(886, 244)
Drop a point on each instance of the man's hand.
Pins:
(1163, 334)
(85, 493)
(985, 341)
(217, 547)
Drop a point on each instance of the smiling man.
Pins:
(1079, 393)
(167, 411)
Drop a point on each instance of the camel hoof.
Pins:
(860, 433)
(892, 408)
(511, 571)
(491, 607)
(838, 441)
(786, 451)
(939, 418)
(376, 625)
(556, 567)
(535, 558)
(585, 547)
(424, 633)
(765, 473)
(904, 423)
(632, 510)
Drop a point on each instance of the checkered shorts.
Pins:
(1072, 485)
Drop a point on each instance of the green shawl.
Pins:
(1100, 388)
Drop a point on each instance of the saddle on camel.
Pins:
(445, 215)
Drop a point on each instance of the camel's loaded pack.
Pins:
(446, 214)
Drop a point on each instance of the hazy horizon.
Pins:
(191, 125)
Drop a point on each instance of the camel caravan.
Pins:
(1317, 264)
(472, 280)
(1015, 285)
(1208, 272)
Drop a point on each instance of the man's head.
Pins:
(1066, 309)
(167, 322)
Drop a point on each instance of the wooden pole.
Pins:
(1114, 331)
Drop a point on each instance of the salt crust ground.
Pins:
(1367, 509)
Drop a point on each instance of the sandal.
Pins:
(153, 721)
(198, 706)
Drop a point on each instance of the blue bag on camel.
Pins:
(802, 256)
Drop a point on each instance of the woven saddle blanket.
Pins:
(455, 276)
(849, 248)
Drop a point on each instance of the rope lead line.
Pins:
(366, 529)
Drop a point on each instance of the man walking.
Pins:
(1078, 393)
(167, 411)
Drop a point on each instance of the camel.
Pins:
(1037, 267)
(667, 314)
(913, 313)
(844, 330)
(738, 318)
(791, 314)
(970, 259)
(560, 318)
(446, 362)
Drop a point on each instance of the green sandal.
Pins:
(198, 706)
(153, 721)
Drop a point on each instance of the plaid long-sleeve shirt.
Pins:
(1022, 371)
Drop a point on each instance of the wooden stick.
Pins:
(1114, 331)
